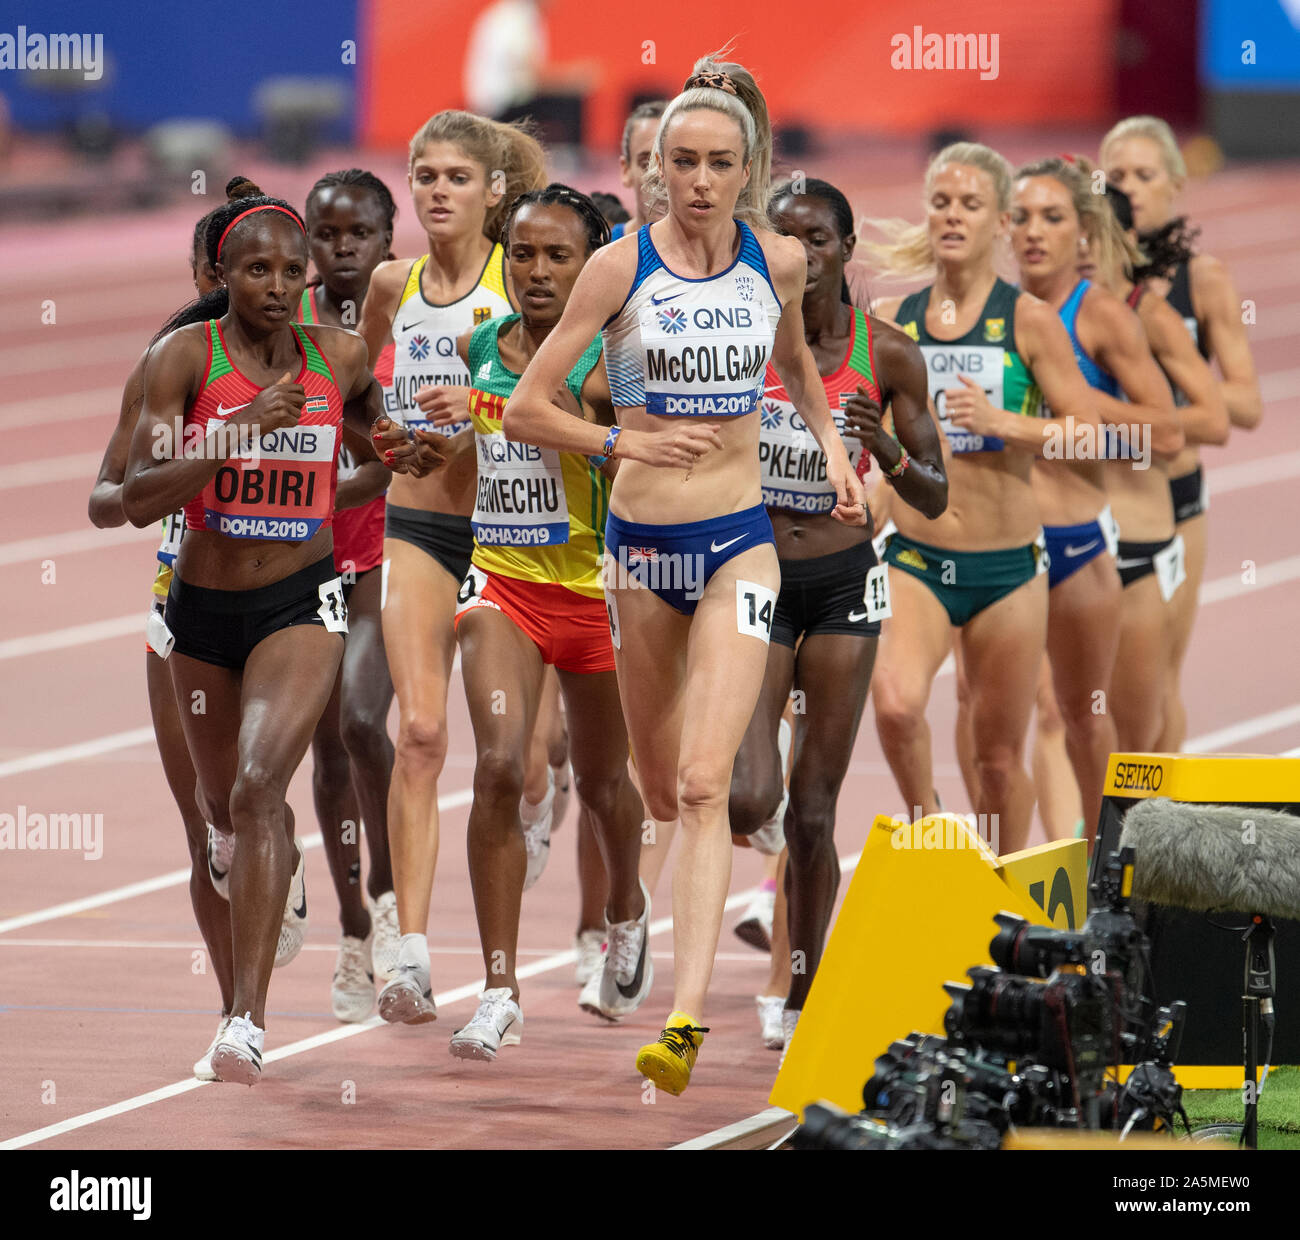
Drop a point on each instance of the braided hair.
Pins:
(357, 178)
(833, 198)
(557, 195)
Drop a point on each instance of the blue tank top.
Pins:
(1096, 377)
(618, 230)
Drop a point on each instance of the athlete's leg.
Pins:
(338, 814)
(964, 732)
(420, 642)
(502, 668)
(914, 643)
(1082, 637)
(210, 911)
(592, 879)
(1182, 618)
(537, 770)
(834, 671)
(366, 696)
(758, 780)
(1003, 645)
(1137, 687)
(1059, 806)
(656, 839)
(778, 978)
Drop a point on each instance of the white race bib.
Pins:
(520, 499)
(704, 360)
(173, 532)
(983, 364)
(1171, 567)
(792, 466)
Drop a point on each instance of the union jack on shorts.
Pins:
(641, 555)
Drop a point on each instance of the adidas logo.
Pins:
(913, 558)
(485, 372)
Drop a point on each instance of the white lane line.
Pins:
(547, 964)
(1232, 586)
(123, 348)
(50, 469)
(1234, 733)
(174, 878)
(100, 402)
(1245, 474)
(50, 546)
(76, 635)
(74, 753)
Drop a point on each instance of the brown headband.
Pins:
(717, 81)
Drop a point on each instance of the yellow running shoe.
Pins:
(668, 1061)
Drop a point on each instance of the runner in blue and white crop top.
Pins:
(695, 348)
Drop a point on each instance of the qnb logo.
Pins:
(419, 348)
(672, 321)
(123, 1194)
(1139, 776)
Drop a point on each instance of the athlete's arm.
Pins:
(1043, 342)
(386, 284)
(531, 414)
(1205, 417)
(796, 368)
(598, 405)
(161, 474)
(105, 506)
(1225, 337)
(904, 388)
(1113, 334)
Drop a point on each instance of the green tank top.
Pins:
(986, 354)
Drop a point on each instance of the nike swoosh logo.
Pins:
(1073, 551)
(407, 327)
(1129, 563)
(301, 910)
(714, 547)
(629, 991)
(659, 301)
(223, 412)
(855, 616)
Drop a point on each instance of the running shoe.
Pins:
(352, 994)
(386, 936)
(789, 1020)
(237, 1056)
(203, 1069)
(590, 946)
(497, 1023)
(408, 998)
(669, 1060)
(536, 820)
(755, 927)
(770, 1008)
(293, 926)
(563, 777)
(221, 850)
(627, 972)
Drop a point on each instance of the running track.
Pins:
(102, 1013)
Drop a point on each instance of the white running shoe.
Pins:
(628, 971)
(536, 820)
(203, 1069)
(293, 926)
(237, 1055)
(497, 1023)
(352, 994)
(221, 850)
(563, 776)
(770, 1008)
(408, 998)
(385, 936)
(789, 1021)
(590, 946)
(755, 927)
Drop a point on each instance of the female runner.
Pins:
(533, 598)
(349, 218)
(692, 308)
(1141, 158)
(992, 353)
(255, 604)
(463, 170)
(1054, 216)
(833, 593)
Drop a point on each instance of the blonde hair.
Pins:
(510, 150)
(1109, 245)
(748, 109)
(908, 251)
(1157, 131)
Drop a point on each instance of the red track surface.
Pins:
(102, 1006)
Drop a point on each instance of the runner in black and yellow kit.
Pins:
(992, 354)
(458, 163)
(833, 593)
(533, 597)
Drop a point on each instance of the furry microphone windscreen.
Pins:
(1215, 857)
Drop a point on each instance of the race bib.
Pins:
(881, 540)
(173, 531)
(704, 361)
(422, 358)
(792, 466)
(283, 492)
(875, 596)
(983, 364)
(333, 610)
(520, 499)
(470, 593)
(156, 632)
(1171, 567)
(755, 609)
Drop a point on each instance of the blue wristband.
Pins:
(611, 439)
